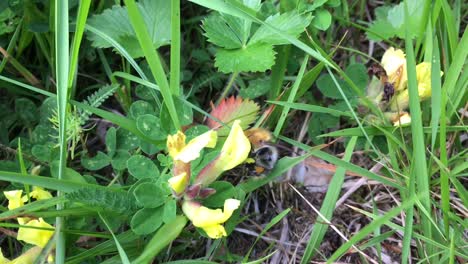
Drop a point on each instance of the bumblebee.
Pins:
(264, 153)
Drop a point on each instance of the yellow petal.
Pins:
(215, 231)
(38, 237)
(423, 75)
(178, 183)
(3, 260)
(236, 148)
(39, 193)
(14, 199)
(192, 150)
(394, 63)
(208, 219)
(28, 257)
(175, 143)
(403, 120)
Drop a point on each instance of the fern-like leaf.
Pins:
(106, 200)
(96, 99)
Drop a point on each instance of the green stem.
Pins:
(228, 86)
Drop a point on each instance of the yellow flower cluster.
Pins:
(394, 63)
(235, 151)
(34, 231)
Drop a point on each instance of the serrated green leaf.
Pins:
(322, 19)
(97, 162)
(220, 33)
(255, 58)
(141, 167)
(150, 125)
(103, 199)
(149, 195)
(231, 109)
(115, 23)
(147, 220)
(290, 23)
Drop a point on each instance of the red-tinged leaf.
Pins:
(231, 109)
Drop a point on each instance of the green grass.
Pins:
(311, 102)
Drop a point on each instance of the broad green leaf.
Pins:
(119, 160)
(251, 58)
(390, 21)
(290, 23)
(149, 148)
(111, 141)
(322, 19)
(256, 88)
(147, 220)
(149, 195)
(141, 167)
(26, 111)
(150, 126)
(170, 211)
(224, 190)
(97, 162)
(358, 74)
(126, 139)
(141, 107)
(116, 23)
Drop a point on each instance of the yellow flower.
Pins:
(404, 119)
(179, 182)
(210, 220)
(394, 63)
(38, 237)
(14, 199)
(39, 193)
(234, 152)
(179, 151)
(3, 260)
(423, 76)
(28, 257)
(236, 148)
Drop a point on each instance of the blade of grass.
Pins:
(175, 47)
(48, 182)
(163, 237)
(416, 235)
(122, 254)
(311, 108)
(379, 221)
(292, 96)
(328, 205)
(152, 57)
(61, 72)
(269, 225)
(453, 73)
(439, 107)
(314, 151)
(419, 175)
(82, 15)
